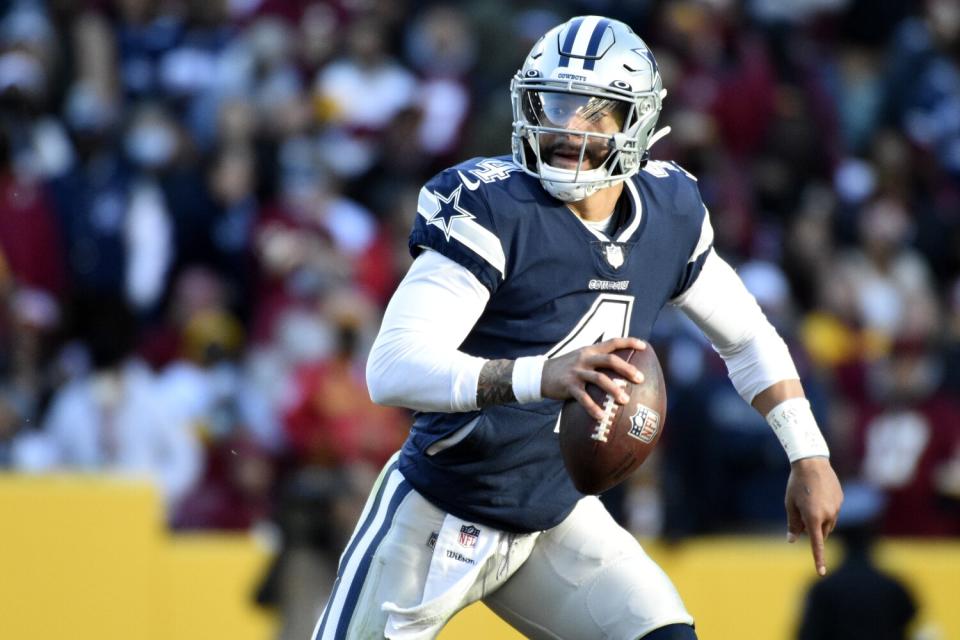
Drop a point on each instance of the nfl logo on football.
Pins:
(644, 424)
(469, 535)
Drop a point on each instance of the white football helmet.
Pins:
(583, 70)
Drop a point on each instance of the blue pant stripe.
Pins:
(371, 515)
(357, 584)
(369, 520)
(326, 611)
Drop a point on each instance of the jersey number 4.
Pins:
(608, 317)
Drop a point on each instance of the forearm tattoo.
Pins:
(496, 383)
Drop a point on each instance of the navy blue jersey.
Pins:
(555, 286)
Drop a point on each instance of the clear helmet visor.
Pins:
(575, 112)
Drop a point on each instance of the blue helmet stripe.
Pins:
(568, 42)
(594, 44)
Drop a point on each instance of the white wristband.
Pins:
(527, 373)
(794, 425)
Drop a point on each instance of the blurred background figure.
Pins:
(111, 417)
(332, 466)
(858, 599)
(359, 94)
(909, 442)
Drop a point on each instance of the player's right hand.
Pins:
(567, 376)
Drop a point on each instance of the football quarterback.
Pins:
(530, 271)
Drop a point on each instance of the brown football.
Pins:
(601, 454)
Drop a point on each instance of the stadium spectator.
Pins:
(859, 599)
(359, 94)
(29, 231)
(909, 442)
(112, 419)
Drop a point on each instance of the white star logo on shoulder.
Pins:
(442, 211)
(448, 210)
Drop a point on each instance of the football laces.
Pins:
(602, 430)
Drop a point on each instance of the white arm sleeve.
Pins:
(415, 361)
(719, 303)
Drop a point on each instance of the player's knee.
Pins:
(672, 632)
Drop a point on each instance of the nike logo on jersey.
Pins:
(473, 185)
(487, 171)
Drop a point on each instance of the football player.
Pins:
(530, 271)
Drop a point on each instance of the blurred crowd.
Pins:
(204, 207)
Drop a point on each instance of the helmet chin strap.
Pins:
(568, 191)
(564, 189)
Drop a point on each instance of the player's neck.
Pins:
(599, 205)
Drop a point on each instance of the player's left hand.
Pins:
(813, 503)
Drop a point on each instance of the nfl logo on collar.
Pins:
(469, 535)
(614, 254)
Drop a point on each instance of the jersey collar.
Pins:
(634, 222)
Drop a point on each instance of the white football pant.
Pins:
(409, 567)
